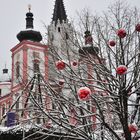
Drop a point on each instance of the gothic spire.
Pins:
(59, 12)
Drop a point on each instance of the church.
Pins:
(35, 65)
(61, 88)
(29, 56)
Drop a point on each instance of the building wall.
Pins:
(5, 88)
(17, 57)
(5, 103)
(30, 61)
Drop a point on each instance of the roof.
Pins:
(59, 12)
(29, 33)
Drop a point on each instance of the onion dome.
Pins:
(89, 48)
(5, 76)
(29, 33)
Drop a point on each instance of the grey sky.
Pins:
(12, 14)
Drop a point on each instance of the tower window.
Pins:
(36, 55)
(3, 109)
(59, 29)
(38, 121)
(36, 66)
(67, 36)
(17, 70)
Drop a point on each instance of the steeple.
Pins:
(89, 48)
(59, 12)
(29, 33)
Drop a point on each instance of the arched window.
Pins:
(17, 70)
(67, 36)
(36, 66)
(38, 121)
(58, 29)
(3, 109)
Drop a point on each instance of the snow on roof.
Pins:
(5, 83)
(57, 130)
(21, 127)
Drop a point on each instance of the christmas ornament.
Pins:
(60, 65)
(74, 63)
(133, 128)
(83, 92)
(121, 69)
(112, 43)
(61, 82)
(137, 28)
(121, 33)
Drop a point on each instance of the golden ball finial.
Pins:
(29, 7)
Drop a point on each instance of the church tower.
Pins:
(60, 38)
(28, 57)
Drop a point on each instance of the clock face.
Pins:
(36, 55)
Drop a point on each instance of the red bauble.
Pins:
(74, 63)
(121, 69)
(133, 128)
(121, 33)
(137, 28)
(61, 82)
(84, 92)
(112, 43)
(60, 65)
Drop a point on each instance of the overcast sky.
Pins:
(12, 18)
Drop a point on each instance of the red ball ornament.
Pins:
(121, 69)
(112, 43)
(137, 28)
(84, 92)
(74, 63)
(60, 65)
(133, 128)
(61, 82)
(121, 33)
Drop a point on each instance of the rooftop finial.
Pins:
(5, 70)
(29, 18)
(29, 7)
(5, 65)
